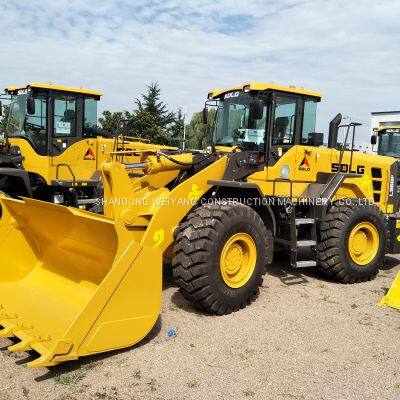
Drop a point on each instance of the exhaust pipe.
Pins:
(333, 131)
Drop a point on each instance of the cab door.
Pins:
(283, 125)
(311, 159)
(65, 129)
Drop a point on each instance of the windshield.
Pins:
(389, 144)
(31, 127)
(233, 126)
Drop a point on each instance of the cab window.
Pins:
(16, 116)
(35, 126)
(64, 115)
(32, 127)
(389, 144)
(310, 112)
(246, 130)
(90, 118)
(234, 127)
(38, 120)
(238, 119)
(285, 120)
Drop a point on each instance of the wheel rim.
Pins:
(363, 243)
(238, 260)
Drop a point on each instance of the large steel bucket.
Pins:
(73, 283)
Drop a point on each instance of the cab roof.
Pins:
(386, 127)
(259, 86)
(52, 86)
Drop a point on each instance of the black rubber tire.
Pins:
(197, 250)
(334, 258)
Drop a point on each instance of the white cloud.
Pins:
(347, 50)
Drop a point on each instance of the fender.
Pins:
(22, 175)
(245, 186)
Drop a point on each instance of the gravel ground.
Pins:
(304, 338)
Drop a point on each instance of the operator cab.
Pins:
(265, 117)
(51, 117)
(389, 139)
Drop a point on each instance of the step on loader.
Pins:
(73, 283)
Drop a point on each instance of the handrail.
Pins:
(70, 170)
(287, 180)
(137, 139)
(348, 126)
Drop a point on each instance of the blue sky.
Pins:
(349, 50)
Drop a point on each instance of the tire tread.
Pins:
(194, 244)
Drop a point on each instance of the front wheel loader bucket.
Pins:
(73, 283)
(392, 297)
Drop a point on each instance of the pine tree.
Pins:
(112, 121)
(152, 104)
(146, 125)
(177, 128)
(152, 120)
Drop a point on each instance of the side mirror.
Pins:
(256, 109)
(205, 115)
(374, 140)
(1, 109)
(30, 105)
(316, 139)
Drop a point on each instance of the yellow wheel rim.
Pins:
(238, 260)
(363, 243)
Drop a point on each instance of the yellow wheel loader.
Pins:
(52, 149)
(74, 283)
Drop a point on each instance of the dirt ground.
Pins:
(304, 338)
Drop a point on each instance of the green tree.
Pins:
(199, 135)
(145, 125)
(176, 131)
(152, 120)
(112, 121)
(4, 118)
(151, 103)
